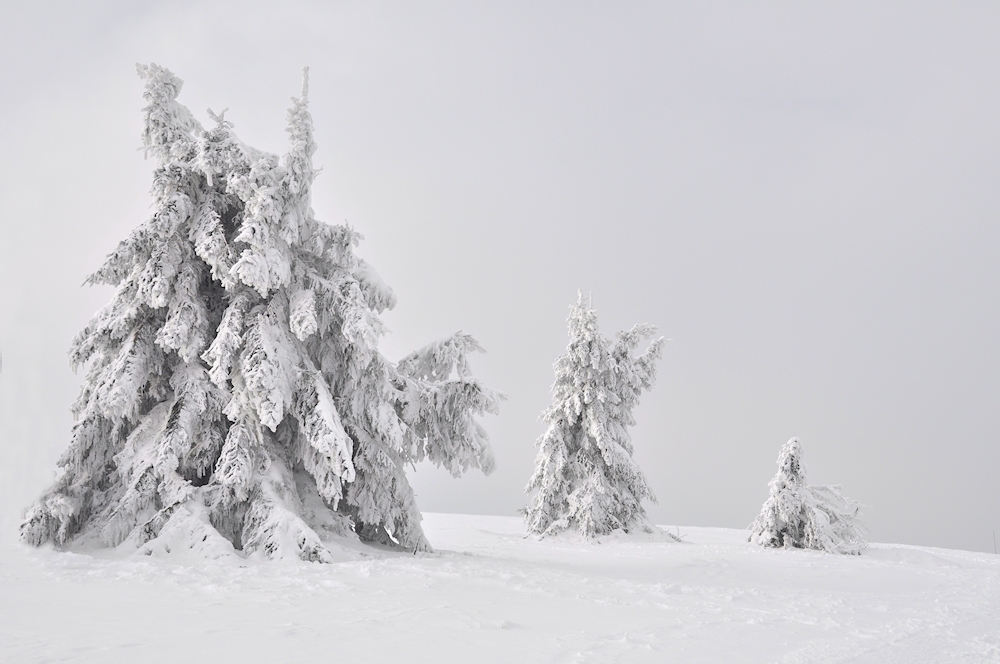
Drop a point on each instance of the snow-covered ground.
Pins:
(490, 595)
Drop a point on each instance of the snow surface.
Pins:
(488, 594)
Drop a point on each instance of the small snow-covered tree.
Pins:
(585, 476)
(235, 395)
(797, 515)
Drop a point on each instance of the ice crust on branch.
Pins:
(585, 477)
(797, 515)
(234, 390)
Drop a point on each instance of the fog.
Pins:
(804, 199)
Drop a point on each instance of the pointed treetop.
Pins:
(582, 307)
(790, 464)
(220, 119)
(166, 123)
(162, 82)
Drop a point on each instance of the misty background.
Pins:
(803, 198)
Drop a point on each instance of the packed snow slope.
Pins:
(488, 594)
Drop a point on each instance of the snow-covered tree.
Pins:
(234, 391)
(797, 515)
(585, 476)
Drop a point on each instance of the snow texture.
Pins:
(800, 516)
(234, 396)
(491, 595)
(585, 477)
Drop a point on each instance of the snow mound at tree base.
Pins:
(188, 536)
(637, 532)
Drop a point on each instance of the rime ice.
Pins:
(234, 395)
(585, 477)
(797, 515)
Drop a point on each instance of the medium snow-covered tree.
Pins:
(585, 476)
(797, 515)
(234, 392)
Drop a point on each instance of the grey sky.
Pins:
(804, 198)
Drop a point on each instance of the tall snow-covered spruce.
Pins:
(797, 515)
(234, 395)
(585, 477)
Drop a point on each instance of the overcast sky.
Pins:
(806, 199)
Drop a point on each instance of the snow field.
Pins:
(490, 595)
